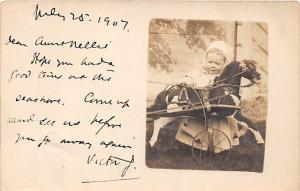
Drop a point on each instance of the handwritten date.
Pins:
(80, 17)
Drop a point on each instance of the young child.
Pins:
(217, 55)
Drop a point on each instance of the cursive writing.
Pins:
(20, 75)
(22, 98)
(111, 161)
(74, 142)
(19, 120)
(71, 44)
(45, 141)
(12, 40)
(104, 123)
(39, 14)
(44, 74)
(89, 63)
(113, 144)
(23, 138)
(101, 77)
(89, 98)
(47, 122)
(37, 59)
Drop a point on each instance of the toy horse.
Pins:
(196, 101)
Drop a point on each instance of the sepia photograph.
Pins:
(150, 95)
(207, 95)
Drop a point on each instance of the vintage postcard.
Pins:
(153, 95)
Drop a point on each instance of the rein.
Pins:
(231, 85)
(219, 83)
(197, 106)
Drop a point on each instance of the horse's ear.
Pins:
(251, 64)
(243, 64)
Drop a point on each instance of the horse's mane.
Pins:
(229, 70)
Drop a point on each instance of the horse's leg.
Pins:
(158, 124)
(243, 122)
(245, 127)
(161, 103)
(156, 128)
(244, 119)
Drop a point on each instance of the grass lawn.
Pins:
(248, 156)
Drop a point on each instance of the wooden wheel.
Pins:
(211, 146)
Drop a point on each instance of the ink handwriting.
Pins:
(58, 76)
(40, 41)
(20, 75)
(23, 138)
(43, 99)
(107, 144)
(104, 123)
(79, 142)
(111, 161)
(21, 120)
(12, 40)
(81, 17)
(39, 14)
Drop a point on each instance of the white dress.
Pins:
(222, 132)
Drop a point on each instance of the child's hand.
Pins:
(188, 81)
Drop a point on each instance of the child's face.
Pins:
(214, 63)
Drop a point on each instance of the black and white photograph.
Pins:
(207, 95)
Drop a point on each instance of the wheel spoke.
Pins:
(220, 141)
(207, 144)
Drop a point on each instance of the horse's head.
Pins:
(248, 69)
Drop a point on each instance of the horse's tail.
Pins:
(160, 102)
